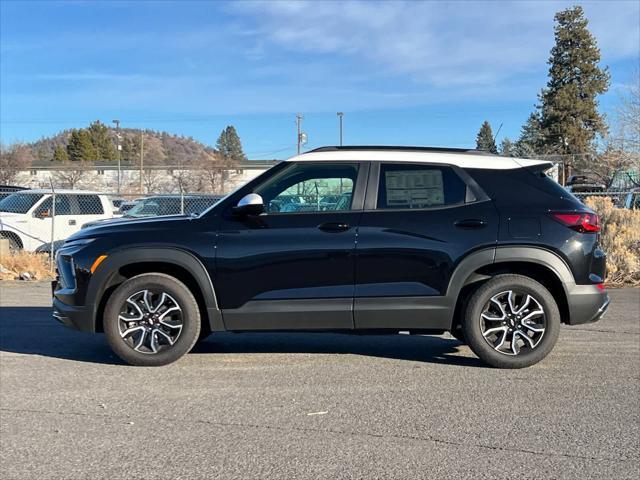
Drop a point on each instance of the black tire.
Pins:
(187, 316)
(527, 355)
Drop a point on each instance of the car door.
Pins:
(419, 221)
(45, 214)
(86, 208)
(292, 267)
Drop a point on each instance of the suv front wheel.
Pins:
(511, 321)
(151, 320)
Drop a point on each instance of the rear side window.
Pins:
(419, 186)
(90, 205)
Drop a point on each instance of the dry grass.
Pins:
(620, 240)
(16, 263)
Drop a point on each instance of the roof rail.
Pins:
(398, 148)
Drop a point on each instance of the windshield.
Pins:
(19, 202)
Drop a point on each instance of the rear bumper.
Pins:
(587, 304)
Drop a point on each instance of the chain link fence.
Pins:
(39, 220)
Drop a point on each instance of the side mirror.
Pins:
(250, 204)
(43, 214)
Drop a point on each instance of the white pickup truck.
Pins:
(29, 220)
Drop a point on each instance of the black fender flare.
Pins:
(107, 275)
(464, 273)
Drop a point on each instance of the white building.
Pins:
(152, 180)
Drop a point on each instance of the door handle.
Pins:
(333, 227)
(470, 223)
(72, 222)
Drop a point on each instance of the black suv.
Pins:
(372, 240)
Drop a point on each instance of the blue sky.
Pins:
(415, 73)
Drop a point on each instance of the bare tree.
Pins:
(152, 180)
(628, 116)
(70, 174)
(622, 145)
(13, 158)
(213, 172)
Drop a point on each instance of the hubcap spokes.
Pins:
(513, 322)
(150, 321)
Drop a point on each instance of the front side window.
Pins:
(307, 187)
(419, 186)
(63, 206)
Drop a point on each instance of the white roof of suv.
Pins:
(451, 156)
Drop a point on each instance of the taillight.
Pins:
(580, 222)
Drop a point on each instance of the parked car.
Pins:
(6, 190)
(583, 183)
(171, 205)
(162, 205)
(27, 217)
(126, 206)
(116, 203)
(432, 240)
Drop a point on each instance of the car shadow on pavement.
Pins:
(418, 348)
(33, 331)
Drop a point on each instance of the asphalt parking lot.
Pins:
(315, 406)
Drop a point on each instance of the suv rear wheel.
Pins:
(511, 321)
(151, 320)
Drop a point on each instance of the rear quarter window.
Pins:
(89, 205)
(419, 186)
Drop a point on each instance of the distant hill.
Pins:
(160, 148)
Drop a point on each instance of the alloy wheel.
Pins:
(150, 321)
(513, 322)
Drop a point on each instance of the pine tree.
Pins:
(229, 146)
(131, 149)
(531, 141)
(60, 154)
(507, 148)
(569, 110)
(80, 148)
(484, 140)
(102, 141)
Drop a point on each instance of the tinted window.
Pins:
(306, 187)
(419, 186)
(90, 205)
(63, 206)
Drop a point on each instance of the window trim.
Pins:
(357, 199)
(474, 193)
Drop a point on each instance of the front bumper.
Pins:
(587, 304)
(77, 317)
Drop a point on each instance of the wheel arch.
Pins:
(180, 264)
(540, 264)
(9, 234)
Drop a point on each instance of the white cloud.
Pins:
(442, 44)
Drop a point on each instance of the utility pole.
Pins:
(299, 118)
(119, 148)
(340, 115)
(141, 158)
